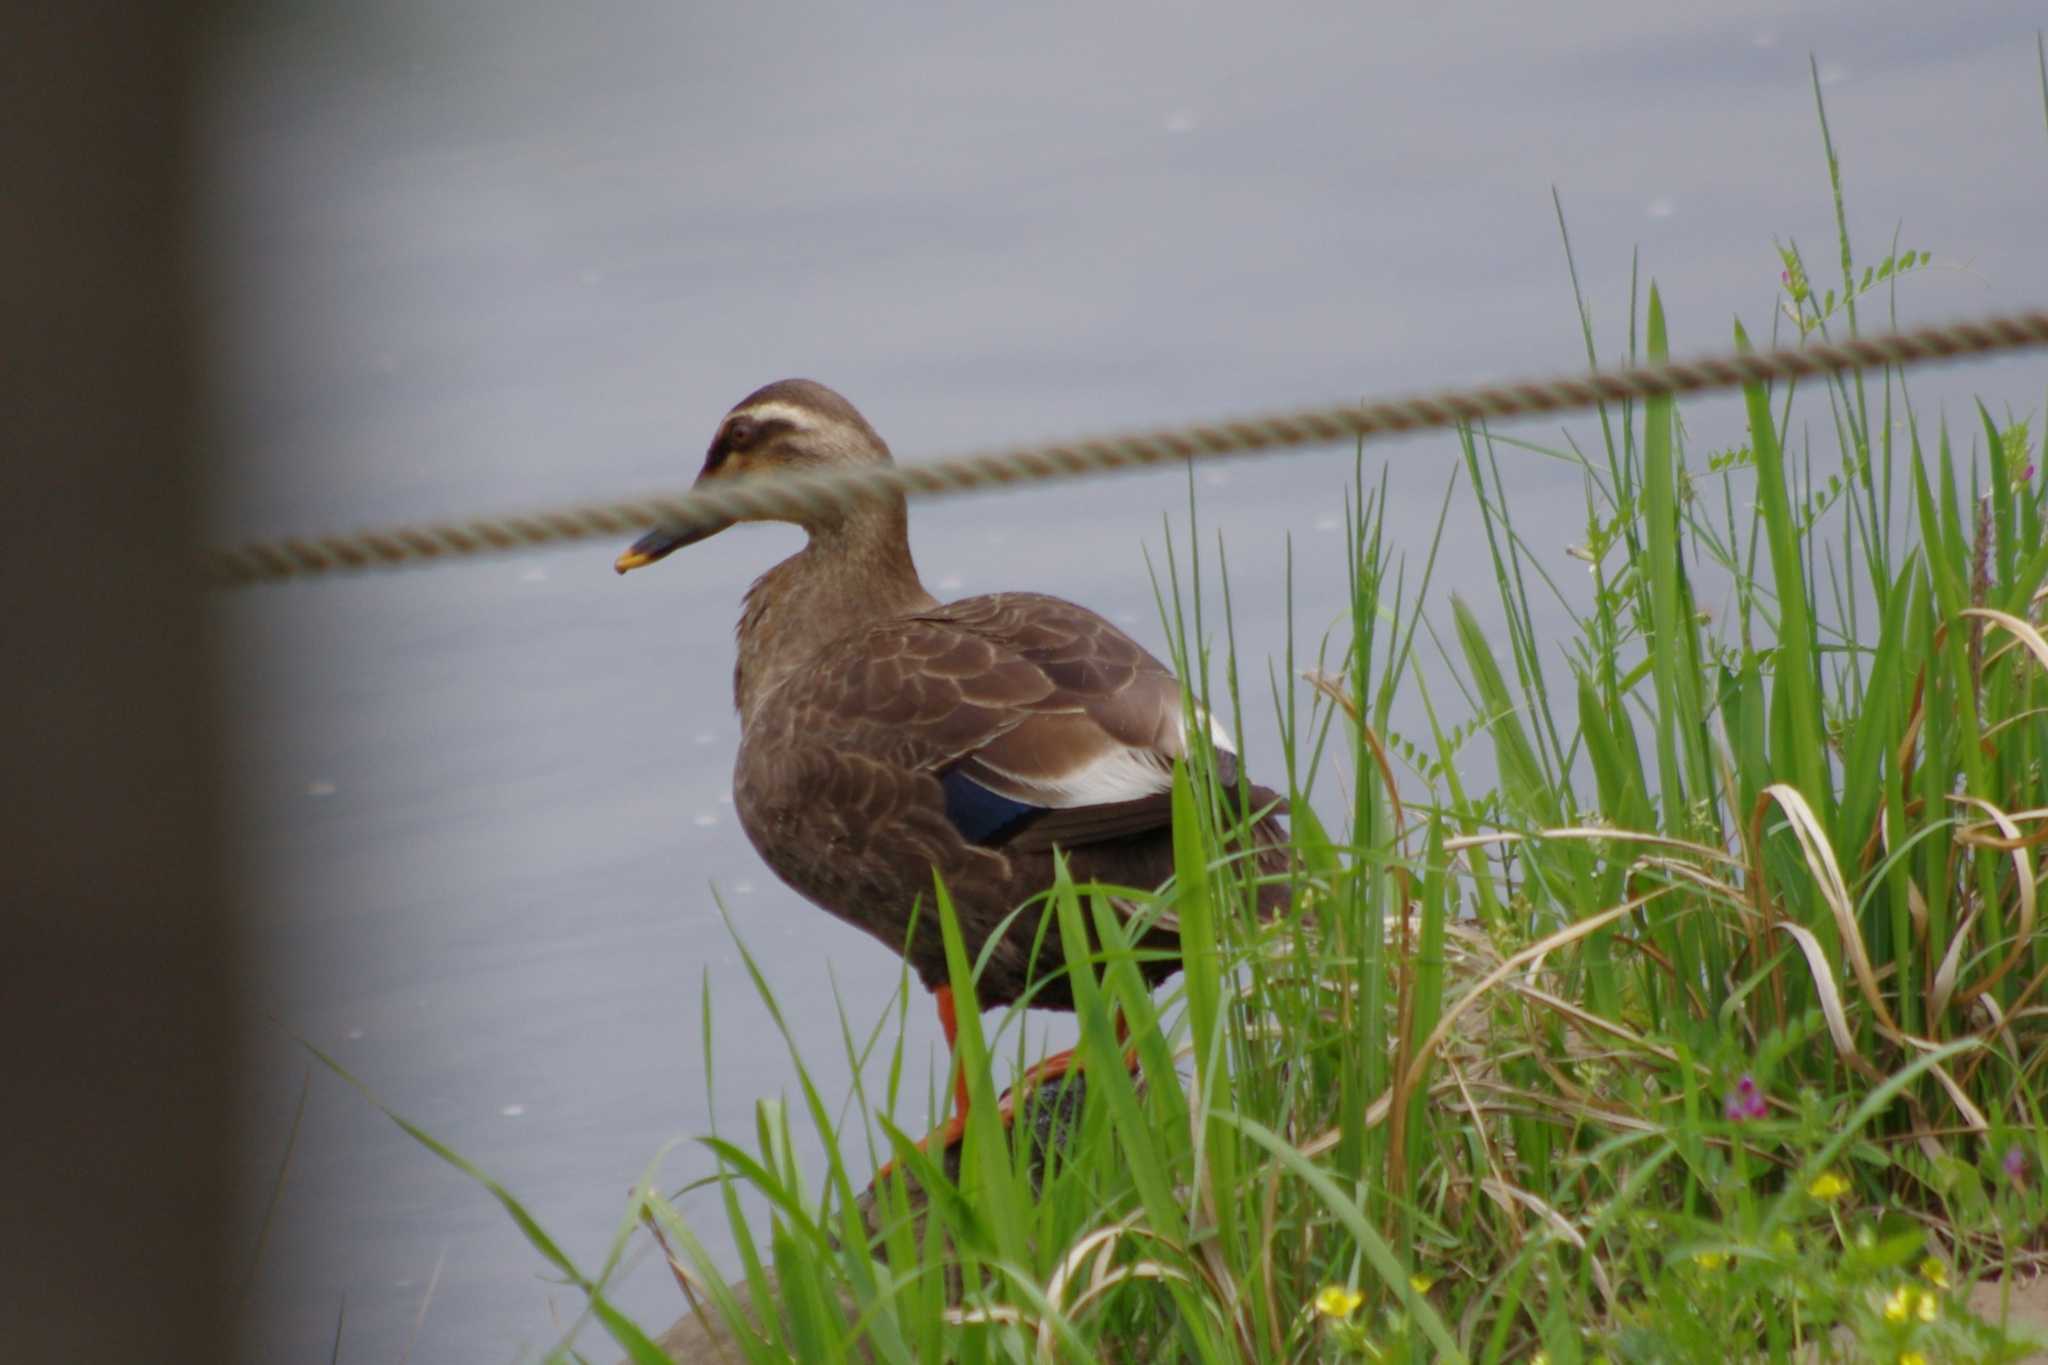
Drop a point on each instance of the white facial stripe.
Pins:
(772, 411)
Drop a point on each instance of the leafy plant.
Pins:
(1713, 1027)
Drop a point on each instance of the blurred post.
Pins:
(116, 971)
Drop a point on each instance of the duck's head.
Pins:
(792, 424)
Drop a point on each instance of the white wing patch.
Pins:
(1112, 772)
(1218, 736)
(1118, 773)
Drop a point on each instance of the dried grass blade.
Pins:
(2023, 884)
(1830, 997)
(1827, 874)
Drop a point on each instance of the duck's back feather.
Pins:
(970, 738)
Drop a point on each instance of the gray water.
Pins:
(485, 257)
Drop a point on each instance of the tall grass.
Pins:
(1713, 1028)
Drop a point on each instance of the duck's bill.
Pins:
(659, 543)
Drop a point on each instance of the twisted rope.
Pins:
(793, 496)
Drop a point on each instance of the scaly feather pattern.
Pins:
(843, 773)
(885, 737)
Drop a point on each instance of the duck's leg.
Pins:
(955, 1126)
(1056, 1066)
(1051, 1068)
(950, 1022)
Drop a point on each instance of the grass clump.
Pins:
(1712, 1028)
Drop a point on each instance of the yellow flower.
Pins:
(1935, 1271)
(1335, 1301)
(1540, 1358)
(1827, 1186)
(1912, 1358)
(1420, 1283)
(1910, 1301)
(1709, 1260)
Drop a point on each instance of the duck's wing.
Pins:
(1043, 723)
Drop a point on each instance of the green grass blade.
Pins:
(985, 1173)
(1202, 959)
(1370, 1244)
(1677, 724)
(638, 1345)
(1803, 758)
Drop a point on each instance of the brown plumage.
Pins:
(884, 735)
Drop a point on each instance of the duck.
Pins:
(886, 737)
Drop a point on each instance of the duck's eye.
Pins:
(732, 438)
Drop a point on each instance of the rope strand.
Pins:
(796, 495)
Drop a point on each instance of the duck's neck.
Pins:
(853, 573)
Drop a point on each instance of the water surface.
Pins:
(476, 257)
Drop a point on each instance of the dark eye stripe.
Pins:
(743, 433)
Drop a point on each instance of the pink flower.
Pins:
(1745, 1101)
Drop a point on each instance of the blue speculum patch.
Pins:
(982, 816)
